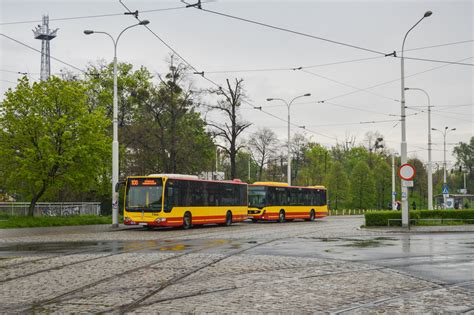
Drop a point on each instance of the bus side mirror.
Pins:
(118, 185)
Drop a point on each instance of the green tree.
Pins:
(419, 191)
(362, 186)
(464, 153)
(383, 182)
(170, 135)
(338, 185)
(318, 161)
(50, 138)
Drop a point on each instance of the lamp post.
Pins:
(289, 140)
(115, 143)
(394, 192)
(444, 133)
(430, 167)
(403, 151)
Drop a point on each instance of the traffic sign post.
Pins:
(406, 172)
(445, 189)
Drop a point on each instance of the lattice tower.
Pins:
(45, 34)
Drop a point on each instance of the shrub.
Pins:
(380, 218)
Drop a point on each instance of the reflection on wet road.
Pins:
(448, 258)
(309, 266)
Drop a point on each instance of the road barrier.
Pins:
(51, 208)
(334, 212)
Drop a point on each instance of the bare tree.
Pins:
(233, 126)
(299, 145)
(262, 144)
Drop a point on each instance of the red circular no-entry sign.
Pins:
(406, 172)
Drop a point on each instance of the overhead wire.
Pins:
(393, 80)
(324, 39)
(37, 50)
(438, 45)
(349, 85)
(202, 73)
(439, 61)
(290, 31)
(89, 16)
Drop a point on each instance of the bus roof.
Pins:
(175, 176)
(279, 184)
(318, 187)
(270, 184)
(189, 177)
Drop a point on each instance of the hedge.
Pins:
(380, 218)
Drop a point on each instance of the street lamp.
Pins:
(289, 140)
(444, 132)
(115, 144)
(430, 167)
(404, 189)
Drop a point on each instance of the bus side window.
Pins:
(323, 198)
(196, 192)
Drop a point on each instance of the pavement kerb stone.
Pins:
(424, 229)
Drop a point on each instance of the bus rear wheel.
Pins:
(228, 218)
(281, 216)
(187, 221)
(311, 215)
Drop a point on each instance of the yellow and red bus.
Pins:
(183, 200)
(281, 202)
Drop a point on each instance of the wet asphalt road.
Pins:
(438, 257)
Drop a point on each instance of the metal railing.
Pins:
(50, 208)
(441, 220)
(349, 211)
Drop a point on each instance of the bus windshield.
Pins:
(144, 195)
(257, 197)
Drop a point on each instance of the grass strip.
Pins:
(24, 222)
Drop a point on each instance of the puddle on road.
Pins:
(366, 243)
(176, 247)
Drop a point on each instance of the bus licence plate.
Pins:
(142, 223)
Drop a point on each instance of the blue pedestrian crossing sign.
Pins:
(445, 189)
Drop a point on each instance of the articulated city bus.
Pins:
(183, 200)
(281, 202)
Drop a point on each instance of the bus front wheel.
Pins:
(187, 220)
(281, 216)
(311, 215)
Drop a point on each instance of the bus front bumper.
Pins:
(156, 222)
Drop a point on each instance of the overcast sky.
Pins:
(214, 43)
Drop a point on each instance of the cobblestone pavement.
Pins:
(328, 266)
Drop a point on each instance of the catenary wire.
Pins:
(209, 80)
(291, 31)
(37, 50)
(394, 80)
(90, 16)
(349, 85)
(439, 45)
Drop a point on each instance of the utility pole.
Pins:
(289, 139)
(444, 133)
(394, 192)
(430, 167)
(403, 145)
(115, 142)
